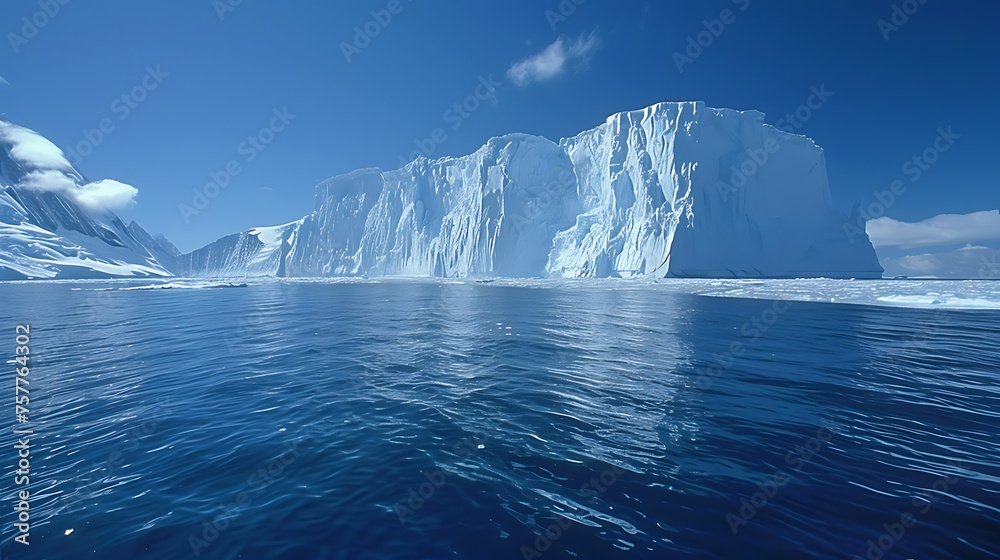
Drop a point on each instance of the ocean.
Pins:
(553, 419)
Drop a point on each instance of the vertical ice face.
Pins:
(760, 205)
(680, 189)
(492, 213)
(634, 174)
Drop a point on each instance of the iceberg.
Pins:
(673, 190)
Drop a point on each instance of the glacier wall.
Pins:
(673, 190)
(449, 217)
(680, 189)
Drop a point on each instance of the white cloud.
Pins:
(106, 195)
(968, 262)
(46, 169)
(31, 149)
(554, 60)
(49, 180)
(100, 195)
(945, 229)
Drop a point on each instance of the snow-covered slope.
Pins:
(52, 224)
(258, 252)
(677, 189)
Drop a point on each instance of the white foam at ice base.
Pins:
(192, 285)
(179, 285)
(934, 294)
(931, 294)
(934, 301)
(928, 294)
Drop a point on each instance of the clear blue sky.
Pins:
(939, 69)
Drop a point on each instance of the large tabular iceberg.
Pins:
(673, 190)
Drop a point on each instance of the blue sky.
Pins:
(200, 77)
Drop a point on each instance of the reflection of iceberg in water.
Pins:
(578, 398)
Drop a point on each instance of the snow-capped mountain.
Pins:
(676, 189)
(54, 223)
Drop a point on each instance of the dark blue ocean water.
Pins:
(412, 420)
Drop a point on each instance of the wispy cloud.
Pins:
(32, 149)
(554, 60)
(48, 170)
(4, 81)
(945, 229)
(55, 180)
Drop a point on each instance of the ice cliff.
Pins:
(673, 190)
